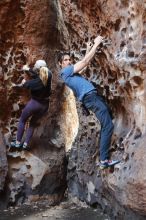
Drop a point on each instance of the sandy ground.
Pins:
(67, 210)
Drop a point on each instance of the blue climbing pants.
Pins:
(96, 104)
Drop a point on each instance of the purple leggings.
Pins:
(35, 110)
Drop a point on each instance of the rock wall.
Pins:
(119, 72)
(3, 162)
(33, 30)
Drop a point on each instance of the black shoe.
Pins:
(25, 147)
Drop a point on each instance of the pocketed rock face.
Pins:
(119, 71)
(31, 30)
(35, 29)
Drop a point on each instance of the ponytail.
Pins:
(43, 74)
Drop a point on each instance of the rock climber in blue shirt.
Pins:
(87, 94)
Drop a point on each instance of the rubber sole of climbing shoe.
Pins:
(109, 163)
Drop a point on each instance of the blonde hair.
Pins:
(43, 74)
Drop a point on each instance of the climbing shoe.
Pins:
(25, 146)
(108, 163)
(16, 144)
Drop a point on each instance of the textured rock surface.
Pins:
(37, 29)
(36, 175)
(119, 70)
(31, 30)
(3, 162)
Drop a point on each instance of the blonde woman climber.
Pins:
(40, 88)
